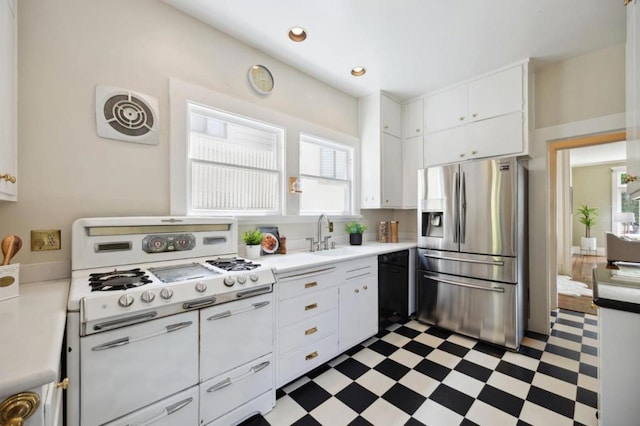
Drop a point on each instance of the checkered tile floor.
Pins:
(413, 374)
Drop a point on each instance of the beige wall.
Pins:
(68, 47)
(592, 186)
(596, 81)
(579, 88)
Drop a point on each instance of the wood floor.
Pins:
(582, 271)
(582, 267)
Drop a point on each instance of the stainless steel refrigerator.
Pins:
(472, 242)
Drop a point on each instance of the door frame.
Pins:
(553, 147)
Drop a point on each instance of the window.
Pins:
(621, 202)
(326, 176)
(235, 164)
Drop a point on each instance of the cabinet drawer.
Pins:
(308, 331)
(222, 394)
(305, 282)
(306, 359)
(360, 268)
(301, 308)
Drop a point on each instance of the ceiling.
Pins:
(410, 47)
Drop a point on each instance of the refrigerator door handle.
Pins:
(459, 259)
(477, 287)
(463, 209)
(456, 208)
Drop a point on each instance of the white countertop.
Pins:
(303, 259)
(31, 331)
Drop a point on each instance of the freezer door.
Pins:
(438, 218)
(484, 310)
(488, 202)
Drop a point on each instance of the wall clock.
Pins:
(261, 79)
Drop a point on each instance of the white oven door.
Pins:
(235, 333)
(125, 369)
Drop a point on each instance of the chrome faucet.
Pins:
(329, 226)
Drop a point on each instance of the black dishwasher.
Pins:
(393, 284)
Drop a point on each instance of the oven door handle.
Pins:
(228, 313)
(230, 380)
(254, 291)
(166, 411)
(125, 321)
(126, 340)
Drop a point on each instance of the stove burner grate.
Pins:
(118, 280)
(233, 264)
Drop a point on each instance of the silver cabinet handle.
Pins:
(254, 291)
(125, 321)
(463, 209)
(126, 340)
(482, 262)
(357, 276)
(167, 411)
(230, 380)
(229, 313)
(306, 274)
(200, 303)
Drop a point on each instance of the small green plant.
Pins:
(355, 227)
(252, 237)
(587, 218)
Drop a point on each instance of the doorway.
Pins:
(562, 259)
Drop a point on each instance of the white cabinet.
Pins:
(633, 96)
(484, 117)
(411, 162)
(391, 117)
(8, 100)
(358, 302)
(307, 328)
(413, 119)
(49, 409)
(381, 152)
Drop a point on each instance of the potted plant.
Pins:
(588, 219)
(253, 240)
(355, 230)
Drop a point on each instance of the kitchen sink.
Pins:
(339, 252)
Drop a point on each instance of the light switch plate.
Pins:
(47, 239)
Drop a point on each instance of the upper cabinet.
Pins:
(483, 117)
(8, 100)
(380, 122)
(633, 97)
(413, 119)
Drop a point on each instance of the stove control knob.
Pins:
(125, 300)
(201, 287)
(253, 277)
(229, 281)
(241, 279)
(166, 293)
(147, 296)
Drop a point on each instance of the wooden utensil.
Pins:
(10, 246)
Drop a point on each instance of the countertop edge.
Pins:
(45, 333)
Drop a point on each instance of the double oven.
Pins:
(166, 325)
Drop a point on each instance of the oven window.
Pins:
(235, 164)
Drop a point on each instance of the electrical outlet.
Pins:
(48, 239)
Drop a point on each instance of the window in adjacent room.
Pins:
(326, 176)
(234, 164)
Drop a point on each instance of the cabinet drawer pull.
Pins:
(311, 306)
(357, 290)
(474, 115)
(311, 356)
(365, 287)
(311, 285)
(64, 384)
(8, 177)
(311, 331)
(462, 118)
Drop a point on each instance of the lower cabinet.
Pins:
(307, 321)
(48, 411)
(358, 301)
(323, 312)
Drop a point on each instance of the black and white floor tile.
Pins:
(413, 374)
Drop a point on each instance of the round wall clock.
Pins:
(261, 79)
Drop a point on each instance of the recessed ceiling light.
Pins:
(297, 34)
(358, 71)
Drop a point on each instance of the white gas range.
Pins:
(160, 314)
